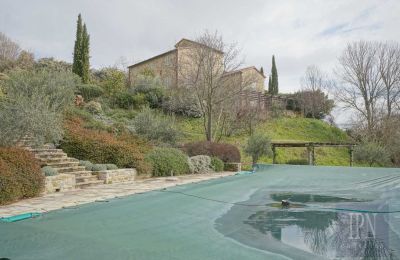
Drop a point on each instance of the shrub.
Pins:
(226, 152)
(125, 151)
(182, 103)
(99, 167)
(151, 88)
(168, 161)
(127, 100)
(20, 175)
(88, 165)
(371, 153)
(216, 164)
(90, 91)
(93, 107)
(49, 171)
(112, 80)
(258, 145)
(201, 163)
(34, 105)
(111, 166)
(155, 127)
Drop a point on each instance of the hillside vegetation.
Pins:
(284, 129)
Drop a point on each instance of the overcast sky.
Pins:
(299, 33)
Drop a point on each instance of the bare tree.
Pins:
(9, 51)
(361, 85)
(313, 101)
(389, 69)
(208, 70)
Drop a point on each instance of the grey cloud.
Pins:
(140, 29)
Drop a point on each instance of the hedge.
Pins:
(101, 147)
(228, 153)
(168, 161)
(20, 175)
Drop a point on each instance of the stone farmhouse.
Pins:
(167, 67)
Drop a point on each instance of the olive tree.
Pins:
(33, 105)
(258, 145)
(372, 153)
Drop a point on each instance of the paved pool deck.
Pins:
(54, 201)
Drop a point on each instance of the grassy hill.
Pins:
(284, 129)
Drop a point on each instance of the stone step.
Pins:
(45, 150)
(62, 164)
(86, 179)
(89, 183)
(59, 160)
(69, 169)
(82, 174)
(51, 155)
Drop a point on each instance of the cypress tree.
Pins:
(274, 77)
(270, 85)
(76, 65)
(262, 71)
(85, 74)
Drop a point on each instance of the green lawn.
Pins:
(284, 129)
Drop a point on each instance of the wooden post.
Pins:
(311, 154)
(273, 154)
(351, 155)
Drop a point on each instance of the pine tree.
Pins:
(76, 65)
(274, 77)
(85, 73)
(270, 90)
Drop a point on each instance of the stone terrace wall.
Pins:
(116, 176)
(60, 182)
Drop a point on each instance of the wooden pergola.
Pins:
(310, 149)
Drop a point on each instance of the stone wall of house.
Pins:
(256, 79)
(60, 182)
(117, 176)
(163, 66)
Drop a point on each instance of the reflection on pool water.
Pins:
(312, 226)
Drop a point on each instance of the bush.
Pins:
(226, 152)
(90, 91)
(20, 175)
(49, 171)
(151, 88)
(93, 107)
(371, 153)
(125, 151)
(258, 145)
(88, 165)
(168, 161)
(216, 164)
(111, 166)
(127, 100)
(99, 167)
(34, 105)
(200, 163)
(112, 80)
(155, 127)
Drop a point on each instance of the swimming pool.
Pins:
(334, 212)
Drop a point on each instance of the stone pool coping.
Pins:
(54, 201)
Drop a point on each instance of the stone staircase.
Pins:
(59, 161)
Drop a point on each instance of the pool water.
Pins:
(326, 226)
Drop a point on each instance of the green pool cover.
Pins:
(334, 212)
